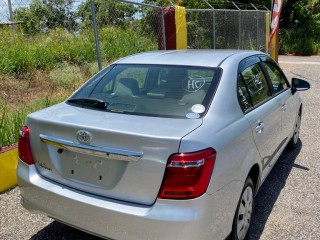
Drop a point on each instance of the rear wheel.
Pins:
(295, 138)
(242, 218)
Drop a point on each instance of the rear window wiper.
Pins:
(89, 102)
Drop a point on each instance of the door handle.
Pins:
(283, 107)
(260, 127)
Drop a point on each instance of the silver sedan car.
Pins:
(162, 145)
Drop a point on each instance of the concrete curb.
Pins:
(8, 167)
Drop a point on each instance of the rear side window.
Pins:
(243, 95)
(155, 90)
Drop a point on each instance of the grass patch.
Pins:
(66, 75)
(42, 90)
(20, 55)
(11, 122)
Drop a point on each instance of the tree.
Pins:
(43, 15)
(108, 12)
(300, 26)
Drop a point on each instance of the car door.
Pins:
(282, 93)
(261, 110)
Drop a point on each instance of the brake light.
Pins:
(188, 175)
(24, 146)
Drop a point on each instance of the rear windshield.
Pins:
(152, 90)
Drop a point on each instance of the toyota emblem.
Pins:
(84, 137)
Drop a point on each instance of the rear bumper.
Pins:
(207, 217)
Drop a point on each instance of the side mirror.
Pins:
(299, 85)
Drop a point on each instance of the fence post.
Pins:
(240, 39)
(213, 23)
(214, 28)
(10, 14)
(258, 48)
(239, 10)
(257, 30)
(96, 36)
(163, 30)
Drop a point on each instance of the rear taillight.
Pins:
(188, 175)
(24, 146)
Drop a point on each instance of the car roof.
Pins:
(190, 57)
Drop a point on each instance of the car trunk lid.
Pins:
(112, 155)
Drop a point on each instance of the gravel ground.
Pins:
(287, 205)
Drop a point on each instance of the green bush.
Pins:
(295, 41)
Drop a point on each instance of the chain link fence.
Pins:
(135, 26)
(115, 28)
(226, 29)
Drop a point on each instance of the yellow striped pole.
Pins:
(8, 167)
(181, 27)
(273, 53)
(267, 31)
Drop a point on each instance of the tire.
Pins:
(295, 138)
(243, 215)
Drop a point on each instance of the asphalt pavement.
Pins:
(286, 207)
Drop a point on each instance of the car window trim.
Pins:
(268, 59)
(207, 101)
(259, 104)
(247, 62)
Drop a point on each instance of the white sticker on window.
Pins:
(198, 108)
(193, 84)
(193, 115)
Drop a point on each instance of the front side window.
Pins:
(155, 90)
(256, 83)
(278, 81)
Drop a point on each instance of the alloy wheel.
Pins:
(244, 213)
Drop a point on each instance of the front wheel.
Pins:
(295, 138)
(243, 215)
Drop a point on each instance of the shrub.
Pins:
(65, 75)
(295, 41)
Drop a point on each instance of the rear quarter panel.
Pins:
(226, 129)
